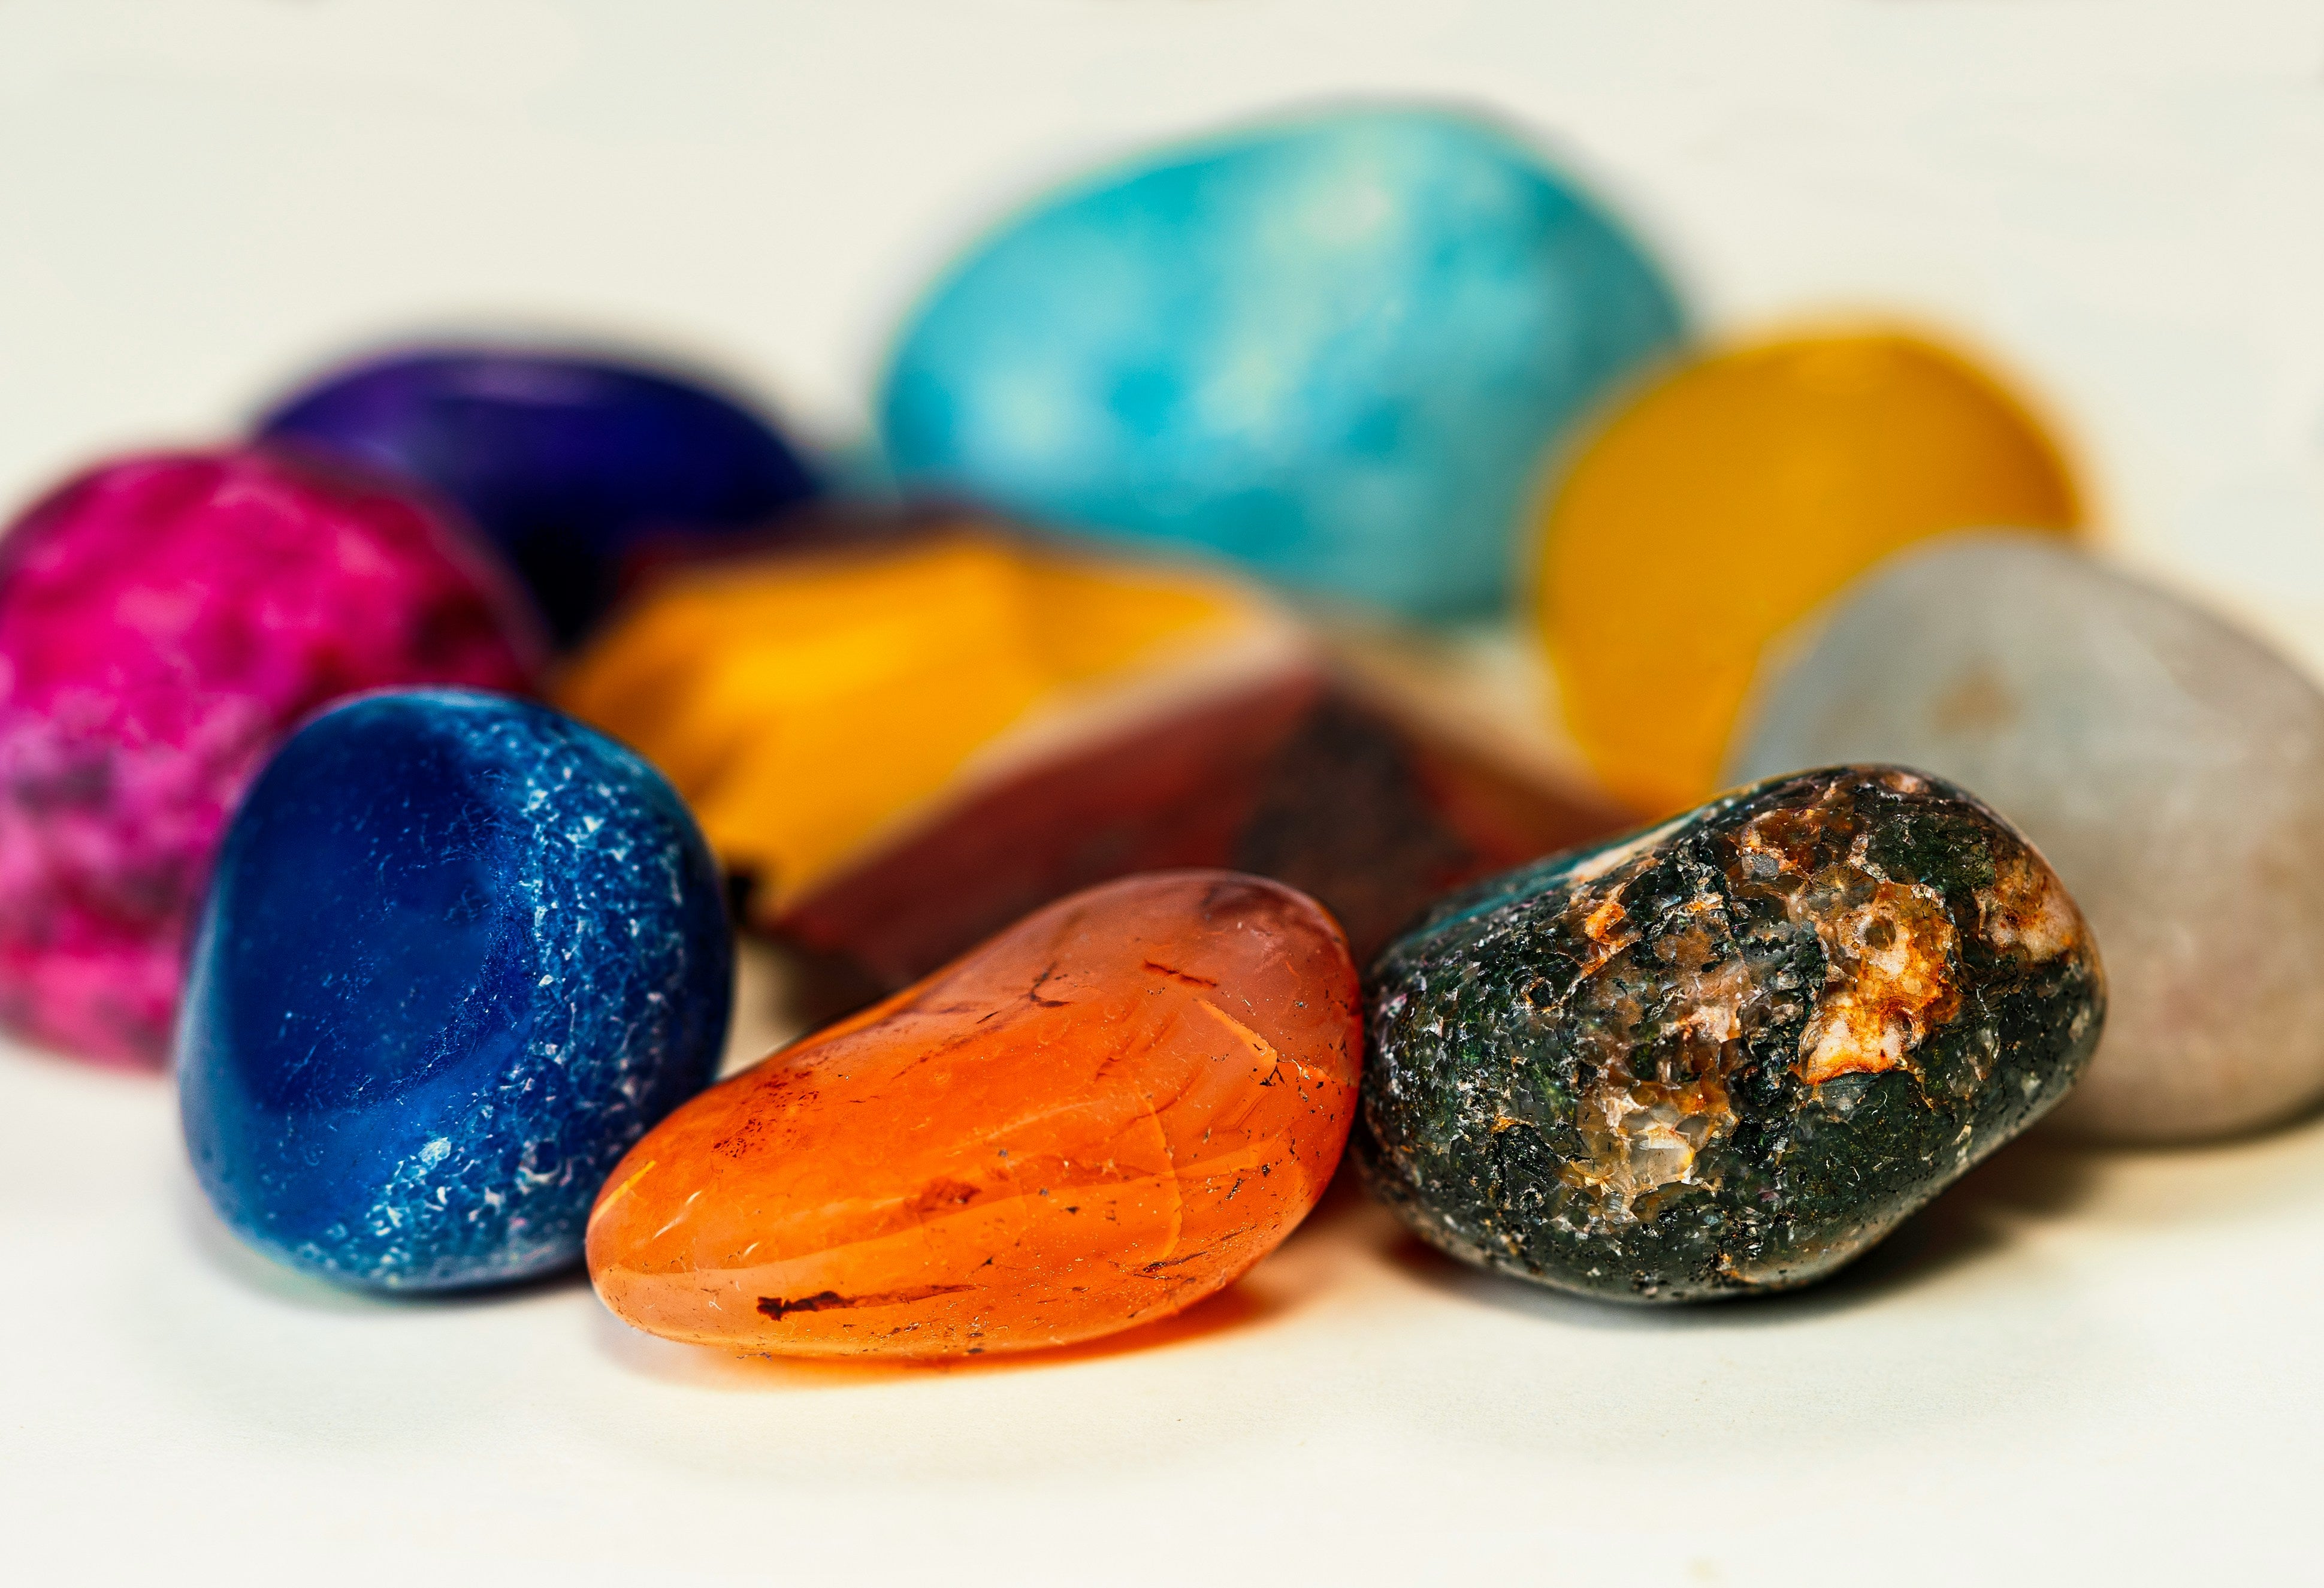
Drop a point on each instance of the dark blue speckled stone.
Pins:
(460, 953)
(569, 464)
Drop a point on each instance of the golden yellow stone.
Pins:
(1726, 502)
(804, 703)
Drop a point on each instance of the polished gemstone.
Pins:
(2171, 767)
(575, 466)
(164, 621)
(461, 952)
(1104, 1114)
(1725, 502)
(1729, 1054)
(808, 705)
(1292, 775)
(1336, 348)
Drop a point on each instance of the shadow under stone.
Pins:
(1977, 1218)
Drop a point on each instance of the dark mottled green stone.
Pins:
(1729, 1053)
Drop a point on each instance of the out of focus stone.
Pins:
(1336, 349)
(1295, 776)
(575, 466)
(165, 622)
(2170, 766)
(808, 703)
(898, 751)
(1724, 502)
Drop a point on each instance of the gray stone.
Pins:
(2170, 766)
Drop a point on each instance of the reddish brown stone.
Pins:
(1295, 778)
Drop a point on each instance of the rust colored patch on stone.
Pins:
(1892, 976)
(2028, 910)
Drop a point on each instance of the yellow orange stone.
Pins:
(1728, 501)
(804, 703)
(1104, 1114)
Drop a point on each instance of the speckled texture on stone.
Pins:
(461, 952)
(2170, 766)
(165, 620)
(1730, 1053)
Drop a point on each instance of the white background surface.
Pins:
(2078, 1367)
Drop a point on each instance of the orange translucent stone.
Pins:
(1100, 1117)
(1730, 499)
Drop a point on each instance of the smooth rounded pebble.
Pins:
(461, 952)
(2171, 767)
(1727, 1054)
(1338, 349)
(575, 466)
(1730, 498)
(165, 621)
(1095, 1120)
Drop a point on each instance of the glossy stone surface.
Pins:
(575, 466)
(1097, 1119)
(807, 706)
(1291, 775)
(1729, 1054)
(1334, 348)
(164, 621)
(2171, 767)
(1727, 501)
(460, 953)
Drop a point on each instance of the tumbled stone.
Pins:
(461, 952)
(1293, 776)
(1730, 1053)
(1335, 348)
(1724, 503)
(1106, 1113)
(164, 621)
(575, 466)
(808, 705)
(2170, 766)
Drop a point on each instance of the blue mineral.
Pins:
(1340, 349)
(572, 466)
(459, 954)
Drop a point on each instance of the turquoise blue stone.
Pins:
(576, 467)
(459, 954)
(1338, 350)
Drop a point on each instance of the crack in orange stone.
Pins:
(777, 1308)
(605, 1201)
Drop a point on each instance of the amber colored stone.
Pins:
(1294, 776)
(1732, 497)
(1097, 1119)
(804, 704)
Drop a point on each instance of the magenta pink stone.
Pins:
(165, 621)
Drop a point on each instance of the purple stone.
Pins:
(577, 467)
